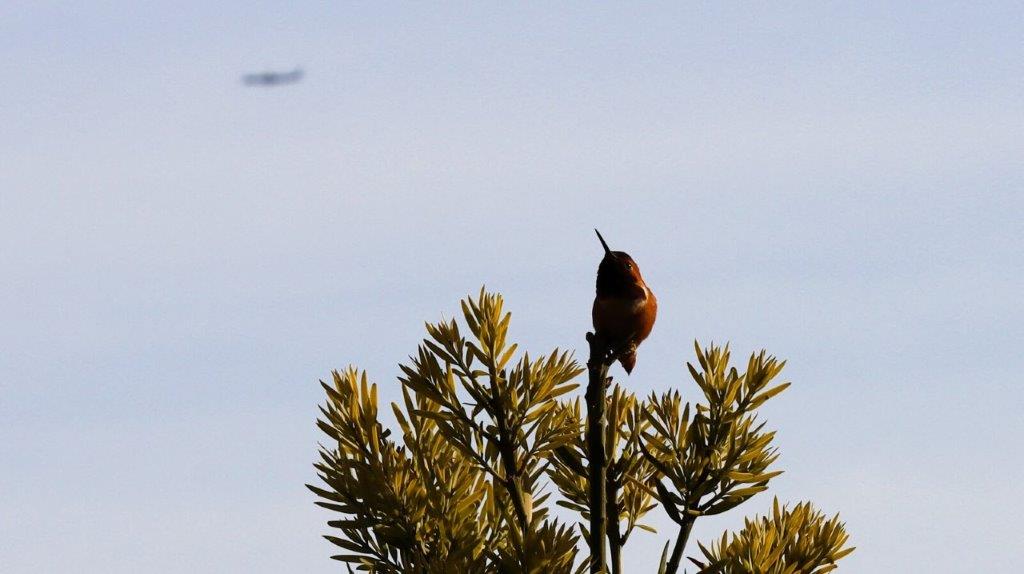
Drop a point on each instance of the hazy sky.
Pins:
(183, 257)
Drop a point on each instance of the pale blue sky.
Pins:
(183, 257)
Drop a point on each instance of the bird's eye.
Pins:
(629, 266)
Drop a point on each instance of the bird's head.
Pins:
(618, 275)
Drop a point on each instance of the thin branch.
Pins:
(677, 549)
(597, 368)
(615, 538)
(506, 450)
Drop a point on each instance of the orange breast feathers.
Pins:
(625, 321)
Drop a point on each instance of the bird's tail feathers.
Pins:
(628, 361)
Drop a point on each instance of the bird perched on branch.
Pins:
(625, 308)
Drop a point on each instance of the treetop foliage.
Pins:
(487, 432)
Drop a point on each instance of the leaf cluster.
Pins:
(798, 540)
(485, 432)
(716, 455)
(466, 490)
(628, 496)
(404, 512)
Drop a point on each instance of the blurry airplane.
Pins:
(272, 78)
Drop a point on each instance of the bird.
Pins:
(625, 307)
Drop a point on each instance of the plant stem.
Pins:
(598, 463)
(677, 549)
(507, 453)
(614, 533)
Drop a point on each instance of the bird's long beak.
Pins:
(606, 249)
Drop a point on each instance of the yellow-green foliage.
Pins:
(485, 434)
(629, 473)
(790, 541)
(720, 456)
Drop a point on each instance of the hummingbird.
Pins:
(624, 308)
